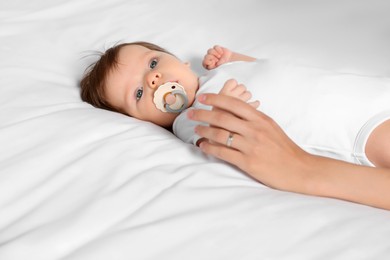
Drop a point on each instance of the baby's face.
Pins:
(131, 86)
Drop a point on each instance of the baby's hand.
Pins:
(233, 89)
(216, 56)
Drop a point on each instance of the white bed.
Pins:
(78, 182)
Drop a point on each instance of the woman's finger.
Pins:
(231, 104)
(224, 153)
(222, 137)
(219, 118)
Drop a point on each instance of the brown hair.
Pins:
(93, 83)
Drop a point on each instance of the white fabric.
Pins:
(364, 134)
(78, 182)
(322, 111)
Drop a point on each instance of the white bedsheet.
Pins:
(78, 182)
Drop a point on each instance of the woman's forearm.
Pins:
(337, 179)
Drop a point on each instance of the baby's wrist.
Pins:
(240, 57)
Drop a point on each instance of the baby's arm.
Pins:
(219, 55)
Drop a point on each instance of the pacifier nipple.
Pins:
(179, 101)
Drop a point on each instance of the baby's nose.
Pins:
(154, 79)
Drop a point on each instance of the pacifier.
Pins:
(173, 88)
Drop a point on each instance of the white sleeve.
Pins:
(184, 128)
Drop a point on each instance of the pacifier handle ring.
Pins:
(184, 106)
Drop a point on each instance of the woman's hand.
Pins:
(250, 140)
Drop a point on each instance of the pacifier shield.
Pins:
(172, 88)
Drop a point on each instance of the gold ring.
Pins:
(229, 141)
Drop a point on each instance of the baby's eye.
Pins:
(153, 63)
(138, 93)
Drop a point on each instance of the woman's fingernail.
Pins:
(197, 129)
(202, 98)
(190, 113)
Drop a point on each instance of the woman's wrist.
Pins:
(327, 177)
(313, 171)
(305, 173)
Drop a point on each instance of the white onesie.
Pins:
(326, 113)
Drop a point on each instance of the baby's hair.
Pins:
(93, 83)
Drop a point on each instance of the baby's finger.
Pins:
(221, 61)
(213, 52)
(219, 49)
(254, 104)
(245, 96)
(211, 58)
(209, 66)
(209, 61)
(228, 87)
(239, 90)
(230, 84)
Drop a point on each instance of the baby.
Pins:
(147, 82)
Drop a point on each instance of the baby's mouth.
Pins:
(170, 97)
